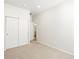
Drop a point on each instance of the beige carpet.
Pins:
(35, 51)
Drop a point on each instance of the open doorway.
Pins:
(35, 32)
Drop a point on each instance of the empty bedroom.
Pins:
(38, 29)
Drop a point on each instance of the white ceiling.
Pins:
(32, 4)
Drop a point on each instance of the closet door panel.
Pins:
(11, 32)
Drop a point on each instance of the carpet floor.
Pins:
(35, 50)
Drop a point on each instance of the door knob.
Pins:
(6, 33)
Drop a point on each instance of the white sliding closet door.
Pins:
(11, 32)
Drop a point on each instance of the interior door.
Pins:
(11, 32)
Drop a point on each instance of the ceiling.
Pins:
(35, 6)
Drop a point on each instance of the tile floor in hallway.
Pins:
(35, 50)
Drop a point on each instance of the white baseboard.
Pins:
(62, 50)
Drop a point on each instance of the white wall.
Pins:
(55, 26)
(24, 20)
(31, 29)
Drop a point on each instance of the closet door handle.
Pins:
(6, 33)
